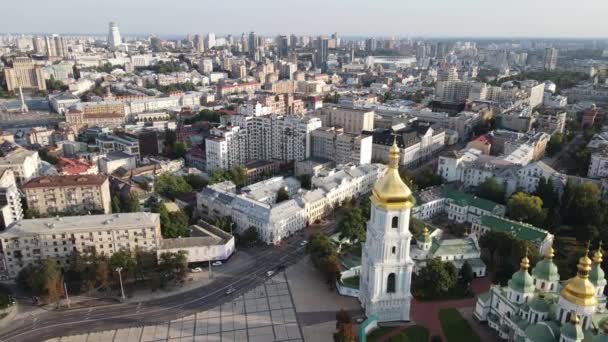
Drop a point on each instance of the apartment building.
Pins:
(25, 164)
(226, 148)
(24, 74)
(248, 88)
(10, 199)
(75, 194)
(416, 143)
(268, 137)
(333, 144)
(119, 143)
(28, 242)
(352, 120)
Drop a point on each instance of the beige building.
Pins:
(350, 119)
(24, 163)
(24, 74)
(28, 242)
(74, 193)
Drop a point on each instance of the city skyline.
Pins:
(475, 18)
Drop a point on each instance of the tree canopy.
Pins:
(171, 186)
(526, 208)
(491, 190)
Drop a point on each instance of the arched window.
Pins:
(394, 250)
(395, 222)
(390, 283)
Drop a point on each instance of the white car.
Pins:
(196, 270)
(269, 273)
(230, 290)
(217, 263)
(303, 243)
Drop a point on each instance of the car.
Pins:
(281, 267)
(359, 320)
(196, 270)
(269, 273)
(217, 263)
(303, 243)
(230, 290)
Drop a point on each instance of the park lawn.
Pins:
(415, 333)
(455, 327)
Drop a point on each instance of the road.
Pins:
(242, 277)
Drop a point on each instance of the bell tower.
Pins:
(386, 266)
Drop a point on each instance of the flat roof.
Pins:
(58, 225)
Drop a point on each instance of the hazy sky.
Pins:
(504, 18)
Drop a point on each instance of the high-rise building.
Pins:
(38, 45)
(293, 41)
(550, 59)
(24, 74)
(49, 46)
(61, 47)
(199, 43)
(322, 52)
(386, 265)
(252, 44)
(210, 40)
(370, 44)
(283, 46)
(114, 39)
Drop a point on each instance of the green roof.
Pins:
(520, 230)
(539, 333)
(464, 199)
(453, 247)
(352, 282)
(546, 270)
(597, 276)
(484, 297)
(573, 332)
(522, 282)
(539, 305)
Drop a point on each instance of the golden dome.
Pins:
(425, 231)
(525, 263)
(549, 253)
(390, 192)
(598, 256)
(579, 290)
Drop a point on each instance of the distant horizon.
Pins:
(361, 18)
(350, 36)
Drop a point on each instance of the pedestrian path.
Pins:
(264, 314)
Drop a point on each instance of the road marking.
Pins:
(180, 306)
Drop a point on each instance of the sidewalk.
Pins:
(426, 313)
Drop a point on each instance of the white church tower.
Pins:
(386, 266)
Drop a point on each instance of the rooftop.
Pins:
(65, 181)
(519, 229)
(81, 223)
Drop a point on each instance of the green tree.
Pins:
(282, 195)
(173, 224)
(131, 204)
(171, 186)
(238, 175)
(490, 189)
(427, 178)
(218, 176)
(526, 208)
(352, 225)
(173, 266)
(115, 204)
(179, 150)
(250, 236)
(305, 181)
(555, 144)
(224, 223)
(321, 249)
(196, 182)
(465, 274)
(408, 178)
(124, 259)
(437, 277)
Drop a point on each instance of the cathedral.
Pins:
(386, 265)
(538, 307)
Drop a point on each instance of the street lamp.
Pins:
(122, 291)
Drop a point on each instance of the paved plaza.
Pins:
(266, 313)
